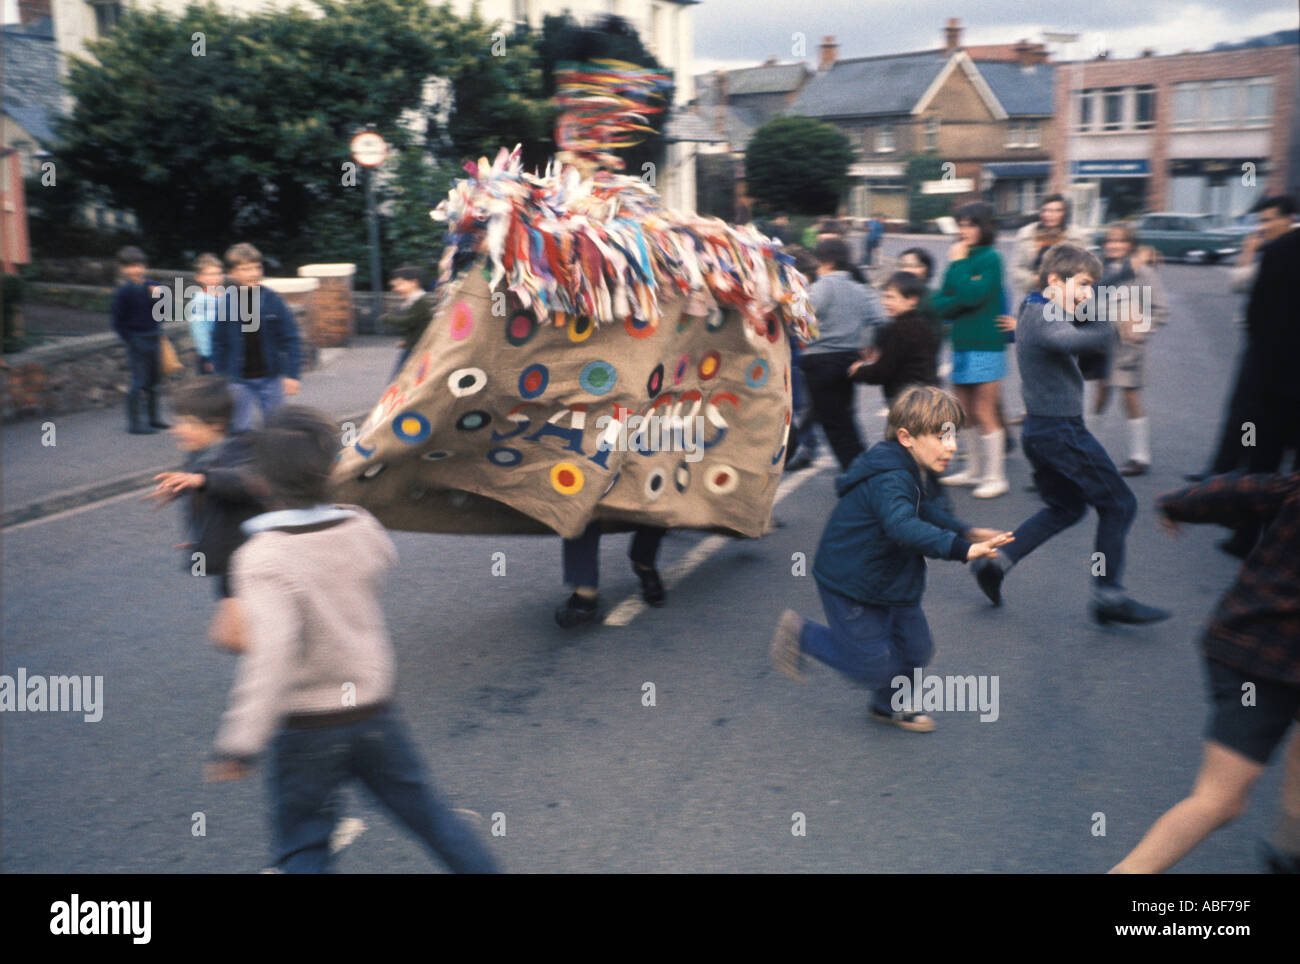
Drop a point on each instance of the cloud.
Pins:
(875, 27)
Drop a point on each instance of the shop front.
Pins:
(1222, 186)
(1122, 186)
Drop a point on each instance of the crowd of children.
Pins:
(314, 687)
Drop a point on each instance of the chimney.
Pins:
(1029, 55)
(829, 49)
(770, 61)
(1148, 52)
(720, 95)
(30, 11)
(952, 35)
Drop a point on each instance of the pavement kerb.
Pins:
(99, 491)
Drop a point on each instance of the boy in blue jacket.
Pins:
(255, 341)
(135, 322)
(870, 564)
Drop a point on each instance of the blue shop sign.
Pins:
(1136, 168)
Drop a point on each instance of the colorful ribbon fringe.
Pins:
(603, 107)
(601, 247)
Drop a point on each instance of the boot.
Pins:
(970, 473)
(994, 482)
(154, 418)
(135, 422)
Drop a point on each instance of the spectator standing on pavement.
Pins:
(970, 298)
(1122, 268)
(255, 345)
(1251, 645)
(870, 563)
(134, 321)
(846, 312)
(202, 312)
(1276, 217)
(1032, 241)
(316, 680)
(875, 231)
(412, 315)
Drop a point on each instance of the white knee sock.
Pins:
(1139, 440)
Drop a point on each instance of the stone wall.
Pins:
(87, 372)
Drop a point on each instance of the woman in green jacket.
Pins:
(970, 299)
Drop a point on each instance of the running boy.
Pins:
(1253, 638)
(318, 675)
(870, 564)
(1071, 469)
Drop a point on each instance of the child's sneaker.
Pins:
(577, 611)
(909, 720)
(787, 656)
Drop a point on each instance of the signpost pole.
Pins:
(376, 279)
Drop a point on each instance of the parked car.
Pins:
(1194, 238)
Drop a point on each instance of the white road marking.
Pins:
(634, 605)
(77, 510)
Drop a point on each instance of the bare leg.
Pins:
(1133, 402)
(986, 397)
(1220, 795)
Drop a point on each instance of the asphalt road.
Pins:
(517, 717)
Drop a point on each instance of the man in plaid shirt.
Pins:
(1252, 659)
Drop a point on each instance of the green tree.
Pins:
(248, 139)
(798, 165)
(924, 207)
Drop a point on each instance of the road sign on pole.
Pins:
(370, 150)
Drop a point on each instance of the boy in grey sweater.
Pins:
(316, 678)
(1071, 469)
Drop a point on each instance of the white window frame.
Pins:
(884, 139)
(1138, 91)
(1196, 90)
(1013, 134)
(1108, 127)
(1030, 135)
(1267, 117)
(1235, 94)
(1085, 98)
(932, 125)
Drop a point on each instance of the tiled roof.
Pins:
(688, 125)
(1019, 92)
(33, 95)
(869, 85)
(767, 79)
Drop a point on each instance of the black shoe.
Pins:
(652, 590)
(1277, 862)
(1134, 467)
(801, 460)
(155, 420)
(1128, 611)
(1236, 546)
(577, 611)
(1196, 476)
(135, 419)
(989, 575)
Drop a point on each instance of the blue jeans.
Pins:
(582, 555)
(1072, 472)
(267, 393)
(142, 360)
(309, 767)
(869, 644)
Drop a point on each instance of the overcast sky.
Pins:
(734, 33)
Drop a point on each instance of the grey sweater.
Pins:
(1047, 350)
(847, 313)
(317, 639)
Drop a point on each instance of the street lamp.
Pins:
(369, 150)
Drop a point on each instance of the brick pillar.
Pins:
(335, 313)
(300, 295)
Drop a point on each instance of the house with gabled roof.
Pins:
(986, 111)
